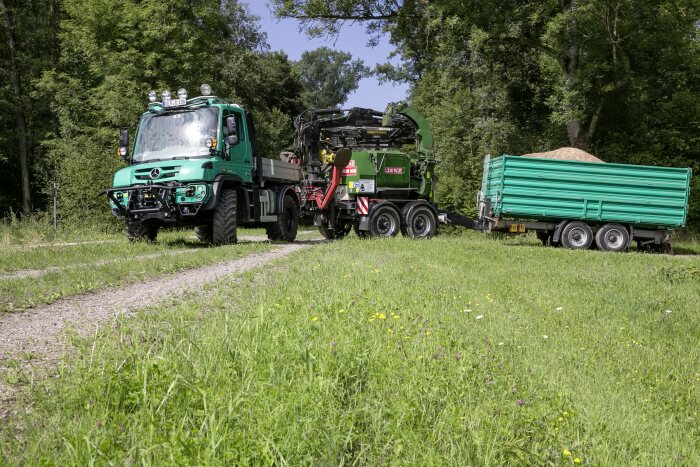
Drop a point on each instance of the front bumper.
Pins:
(167, 203)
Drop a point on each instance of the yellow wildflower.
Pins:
(566, 453)
(577, 460)
(314, 318)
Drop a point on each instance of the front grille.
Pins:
(165, 172)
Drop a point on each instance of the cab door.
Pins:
(240, 154)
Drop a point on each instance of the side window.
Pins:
(239, 124)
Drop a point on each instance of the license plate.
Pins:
(174, 102)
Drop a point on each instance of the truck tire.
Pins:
(287, 223)
(384, 221)
(358, 232)
(224, 224)
(141, 232)
(612, 237)
(419, 221)
(334, 234)
(577, 236)
(203, 233)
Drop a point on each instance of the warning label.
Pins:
(362, 186)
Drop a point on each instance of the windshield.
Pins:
(173, 135)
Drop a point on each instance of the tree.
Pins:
(618, 77)
(25, 29)
(589, 45)
(114, 52)
(20, 113)
(329, 76)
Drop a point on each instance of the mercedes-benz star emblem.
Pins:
(155, 173)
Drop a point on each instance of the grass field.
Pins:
(459, 350)
(68, 269)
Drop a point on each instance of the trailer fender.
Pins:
(557, 231)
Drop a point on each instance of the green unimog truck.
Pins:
(194, 163)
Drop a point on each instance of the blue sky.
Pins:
(284, 35)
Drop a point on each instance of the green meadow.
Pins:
(462, 350)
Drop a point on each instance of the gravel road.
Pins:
(40, 330)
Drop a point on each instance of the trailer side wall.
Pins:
(548, 189)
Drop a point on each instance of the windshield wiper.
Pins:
(149, 160)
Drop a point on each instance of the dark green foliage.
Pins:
(101, 65)
(329, 76)
(618, 78)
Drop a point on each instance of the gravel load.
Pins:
(566, 154)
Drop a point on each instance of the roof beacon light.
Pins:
(165, 95)
(205, 89)
(152, 96)
(182, 93)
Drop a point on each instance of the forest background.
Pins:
(617, 78)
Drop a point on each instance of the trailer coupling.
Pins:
(457, 219)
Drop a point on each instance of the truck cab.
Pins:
(193, 162)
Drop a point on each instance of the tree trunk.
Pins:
(570, 64)
(20, 114)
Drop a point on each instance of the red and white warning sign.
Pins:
(393, 170)
(351, 169)
(363, 205)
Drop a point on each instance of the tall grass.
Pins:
(455, 351)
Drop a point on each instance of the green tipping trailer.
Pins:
(584, 204)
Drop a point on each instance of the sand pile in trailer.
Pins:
(566, 154)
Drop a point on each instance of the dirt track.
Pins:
(40, 330)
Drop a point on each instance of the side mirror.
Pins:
(124, 143)
(232, 140)
(231, 126)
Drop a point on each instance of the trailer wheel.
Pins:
(141, 232)
(420, 222)
(384, 221)
(203, 233)
(612, 237)
(577, 236)
(287, 224)
(224, 225)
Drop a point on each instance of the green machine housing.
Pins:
(390, 172)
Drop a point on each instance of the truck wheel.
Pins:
(334, 234)
(420, 222)
(203, 233)
(141, 232)
(612, 237)
(576, 236)
(384, 221)
(287, 224)
(358, 232)
(224, 225)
